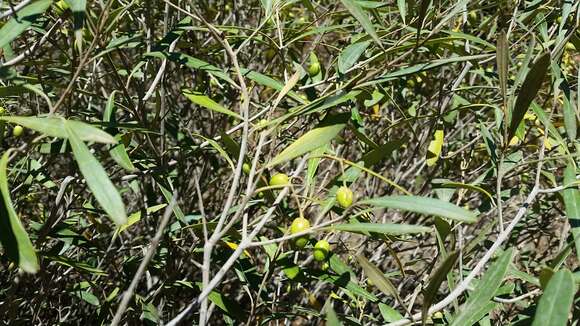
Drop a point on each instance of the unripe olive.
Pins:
(325, 266)
(321, 249)
(246, 168)
(298, 225)
(344, 197)
(279, 179)
(17, 131)
(301, 242)
(2, 110)
(314, 69)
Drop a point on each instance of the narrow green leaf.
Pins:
(423, 205)
(555, 303)
(423, 67)
(389, 313)
(55, 127)
(311, 140)
(25, 17)
(452, 184)
(435, 280)
(269, 82)
(358, 13)
(109, 114)
(378, 278)
(267, 4)
(202, 100)
(502, 54)
(528, 92)
(350, 55)
(119, 154)
(12, 233)
(101, 186)
(383, 228)
(402, 6)
(169, 197)
(331, 317)
(485, 290)
(88, 297)
(352, 288)
(193, 63)
(572, 204)
(569, 113)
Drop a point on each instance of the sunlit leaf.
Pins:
(435, 146)
(55, 127)
(359, 14)
(485, 290)
(311, 140)
(97, 179)
(25, 17)
(556, 301)
(206, 102)
(423, 205)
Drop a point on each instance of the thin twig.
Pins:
(150, 252)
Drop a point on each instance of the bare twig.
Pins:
(150, 252)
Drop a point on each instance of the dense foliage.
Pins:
(291, 162)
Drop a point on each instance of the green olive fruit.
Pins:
(17, 131)
(325, 266)
(246, 168)
(314, 69)
(321, 249)
(2, 110)
(344, 197)
(301, 242)
(279, 179)
(298, 225)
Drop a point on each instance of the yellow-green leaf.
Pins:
(435, 147)
(313, 139)
(202, 100)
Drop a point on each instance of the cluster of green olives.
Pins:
(344, 198)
